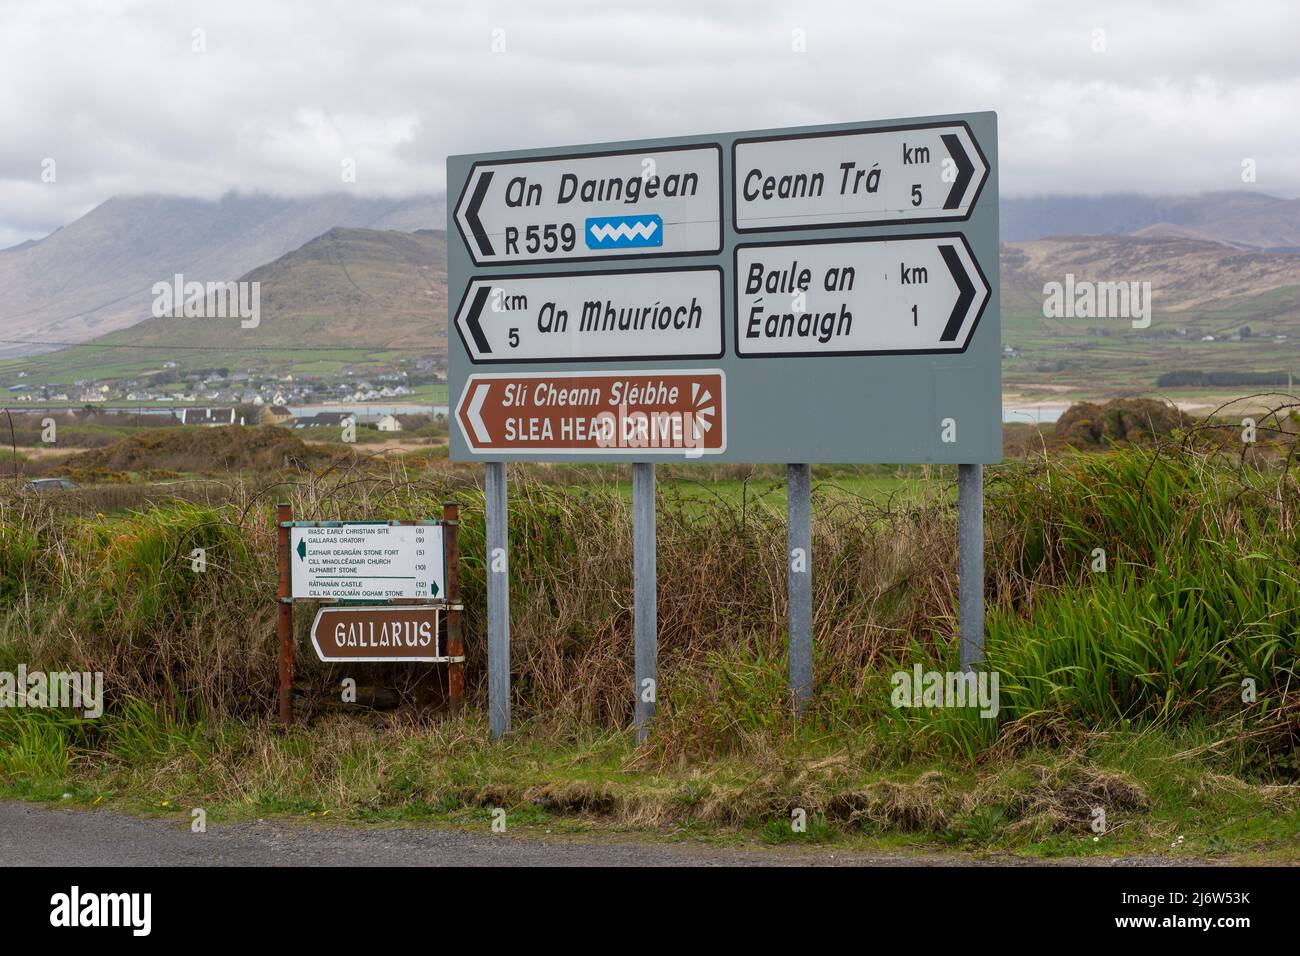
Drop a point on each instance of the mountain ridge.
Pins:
(95, 275)
(1237, 217)
(99, 271)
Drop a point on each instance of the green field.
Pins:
(99, 362)
(768, 492)
(1128, 361)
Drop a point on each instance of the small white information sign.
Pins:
(367, 561)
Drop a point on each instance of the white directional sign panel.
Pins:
(367, 561)
(858, 297)
(629, 204)
(818, 294)
(585, 317)
(926, 173)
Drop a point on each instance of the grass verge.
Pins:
(1167, 793)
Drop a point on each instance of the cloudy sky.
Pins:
(199, 98)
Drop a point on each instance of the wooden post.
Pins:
(455, 643)
(283, 516)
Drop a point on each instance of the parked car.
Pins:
(51, 484)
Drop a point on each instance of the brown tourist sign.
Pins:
(388, 633)
(599, 413)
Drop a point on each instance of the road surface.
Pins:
(35, 835)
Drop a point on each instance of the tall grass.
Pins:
(1201, 592)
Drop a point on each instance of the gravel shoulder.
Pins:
(35, 835)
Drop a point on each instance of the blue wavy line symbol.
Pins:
(621, 232)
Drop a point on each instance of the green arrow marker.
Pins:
(302, 547)
(434, 588)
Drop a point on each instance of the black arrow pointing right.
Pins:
(965, 169)
(472, 319)
(471, 215)
(965, 292)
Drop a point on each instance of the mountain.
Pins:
(366, 297)
(360, 296)
(356, 287)
(343, 297)
(1184, 273)
(1242, 218)
(1214, 308)
(95, 275)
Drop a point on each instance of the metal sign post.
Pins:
(645, 591)
(970, 562)
(799, 581)
(498, 598)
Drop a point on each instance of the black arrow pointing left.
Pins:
(472, 320)
(471, 215)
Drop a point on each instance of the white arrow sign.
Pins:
(581, 317)
(474, 412)
(661, 202)
(926, 173)
(858, 297)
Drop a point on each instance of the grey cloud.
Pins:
(286, 91)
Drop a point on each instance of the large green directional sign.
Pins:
(820, 294)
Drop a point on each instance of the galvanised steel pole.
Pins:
(645, 595)
(799, 581)
(498, 604)
(970, 562)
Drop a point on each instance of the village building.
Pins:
(275, 415)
